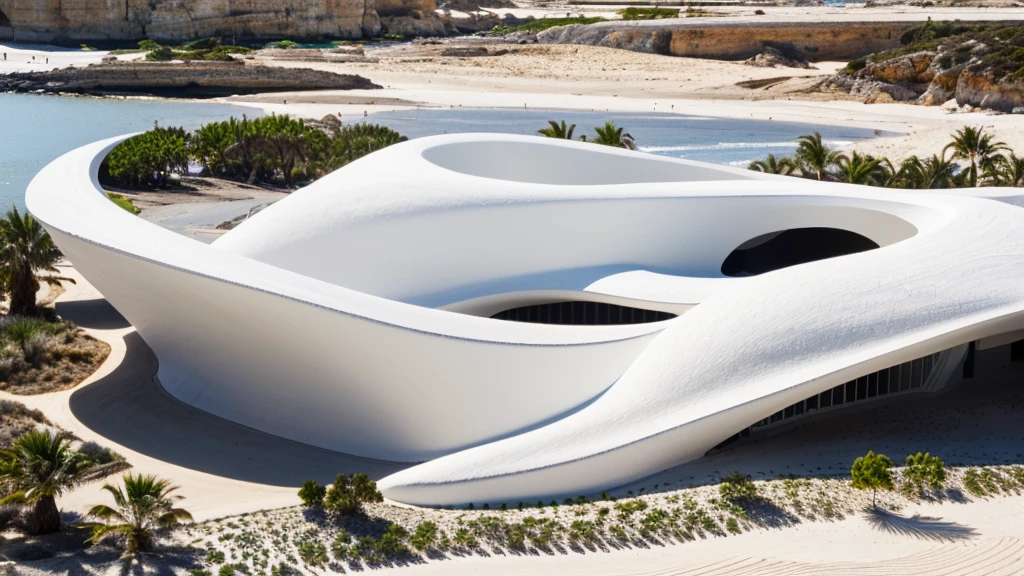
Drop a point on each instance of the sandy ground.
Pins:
(205, 203)
(594, 79)
(222, 468)
(225, 469)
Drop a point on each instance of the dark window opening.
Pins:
(791, 247)
(862, 388)
(582, 314)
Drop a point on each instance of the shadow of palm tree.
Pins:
(916, 526)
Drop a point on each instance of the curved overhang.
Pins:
(320, 319)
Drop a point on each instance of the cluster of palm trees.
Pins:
(41, 465)
(607, 135)
(272, 149)
(973, 158)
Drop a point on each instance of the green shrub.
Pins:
(871, 472)
(732, 526)
(738, 488)
(465, 539)
(392, 542)
(367, 549)
(348, 494)
(312, 552)
(149, 45)
(627, 508)
(284, 44)
(425, 536)
(541, 24)
(924, 471)
(648, 13)
(582, 530)
(854, 66)
(340, 546)
(124, 203)
(312, 494)
(161, 54)
(226, 570)
(214, 557)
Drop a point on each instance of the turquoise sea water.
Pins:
(35, 130)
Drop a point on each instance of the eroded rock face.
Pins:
(180, 20)
(981, 67)
(196, 79)
(734, 41)
(982, 90)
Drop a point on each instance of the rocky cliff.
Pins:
(735, 41)
(981, 66)
(180, 20)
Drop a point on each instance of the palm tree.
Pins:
(975, 146)
(610, 135)
(940, 172)
(857, 169)
(814, 156)
(782, 166)
(1006, 171)
(143, 507)
(556, 130)
(40, 466)
(25, 249)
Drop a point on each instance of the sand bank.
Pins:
(598, 79)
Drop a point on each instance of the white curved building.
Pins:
(538, 318)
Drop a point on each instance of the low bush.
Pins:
(465, 539)
(348, 494)
(738, 488)
(341, 545)
(541, 24)
(124, 203)
(924, 471)
(312, 552)
(633, 13)
(392, 542)
(312, 494)
(425, 536)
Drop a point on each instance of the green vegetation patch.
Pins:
(123, 202)
(541, 24)
(272, 149)
(203, 49)
(633, 13)
(999, 49)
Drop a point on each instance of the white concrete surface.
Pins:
(316, 319)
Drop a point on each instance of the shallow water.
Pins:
(35, 130)
(722, 141)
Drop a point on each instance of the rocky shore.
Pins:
(978, 67)
(188, 79)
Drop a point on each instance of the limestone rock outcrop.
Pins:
(181, 20)
(194, 79)
(983, 68)
(726, 40)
